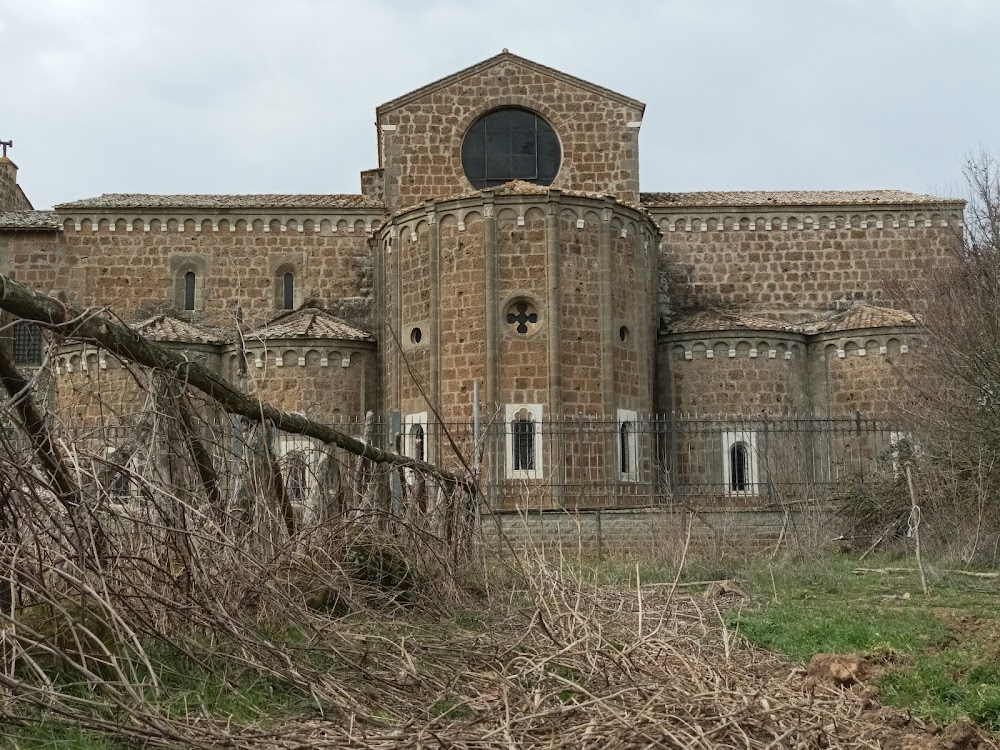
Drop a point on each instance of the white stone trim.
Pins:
(409, 443)
(631, 449)
(749, 440)
(536, 412)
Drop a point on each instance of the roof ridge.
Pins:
(490, 62)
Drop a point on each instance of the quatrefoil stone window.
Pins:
(522, 317)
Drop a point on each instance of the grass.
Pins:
(46, 736)
(938, 655)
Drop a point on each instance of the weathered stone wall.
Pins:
(462, 314)
(521, 274)
(323, 382)
(8, 185)
(93, 391)
(630, 350)
(659, 534)
(725, 375)
(138, 271)
(580, 294)
(794, 273)
(421, 137)
(35, 258)
(862, 371)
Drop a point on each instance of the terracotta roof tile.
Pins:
(219, 202)
(169, 328)
(309, 322)
(786, 198)
(861, 316)
(858, 317)
(47, 220)
(714, 320)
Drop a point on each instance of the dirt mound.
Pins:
(839, 669)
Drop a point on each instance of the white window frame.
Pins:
(536, 412)
(310, 455)
(632, 474)
(749, 439)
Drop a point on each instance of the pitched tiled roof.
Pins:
(309, 322)
(219, 202)
(714, 320)
(786, 198)
(169, 328)
(861, 316)
(858, 317)
(520, 187)
(47, 220)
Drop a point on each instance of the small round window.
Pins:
(510, 144)
(522, 317)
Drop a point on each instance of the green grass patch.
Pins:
(938, 654)
(46, 736)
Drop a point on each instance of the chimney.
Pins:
(8, 185)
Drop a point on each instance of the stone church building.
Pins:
(502, 244)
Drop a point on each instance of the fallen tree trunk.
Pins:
(93, 327)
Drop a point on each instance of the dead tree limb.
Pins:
(202, 458)
(33, 421)
(124, 343)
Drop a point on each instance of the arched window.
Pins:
(27, 343)
(510, 144)
(739, 468)
(524, 441)
(625, 446)
(189, 288)
(288, 291)
(628, 446)
(296, 486)
(523, 431)
(417, 449)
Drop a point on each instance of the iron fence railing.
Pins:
(582, 462)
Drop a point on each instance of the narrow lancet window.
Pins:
(739, 468)
(523, 431)
(189, 282)
(288, 291)
(625, 446)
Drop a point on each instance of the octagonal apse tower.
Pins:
(516, 256)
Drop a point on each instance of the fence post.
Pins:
(674, 459)
(767, 461)
(861, 461)
(395, 444)
(579, 460)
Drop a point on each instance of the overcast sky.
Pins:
(244, 96)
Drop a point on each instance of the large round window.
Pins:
(510, 144)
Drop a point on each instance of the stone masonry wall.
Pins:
(794, 273)
(580, 287)
(626, 312)
(521, 272)
(463, 311)
(139, 272)
(730, 376)
(327, 392)
(8, 185)
(867, 372)
(659, 534)
(421, 154)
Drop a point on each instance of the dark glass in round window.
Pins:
(510, 144)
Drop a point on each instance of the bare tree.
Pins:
(957, 391)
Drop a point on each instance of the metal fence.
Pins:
(582, 462)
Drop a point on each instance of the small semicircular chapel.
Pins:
(625, 345)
